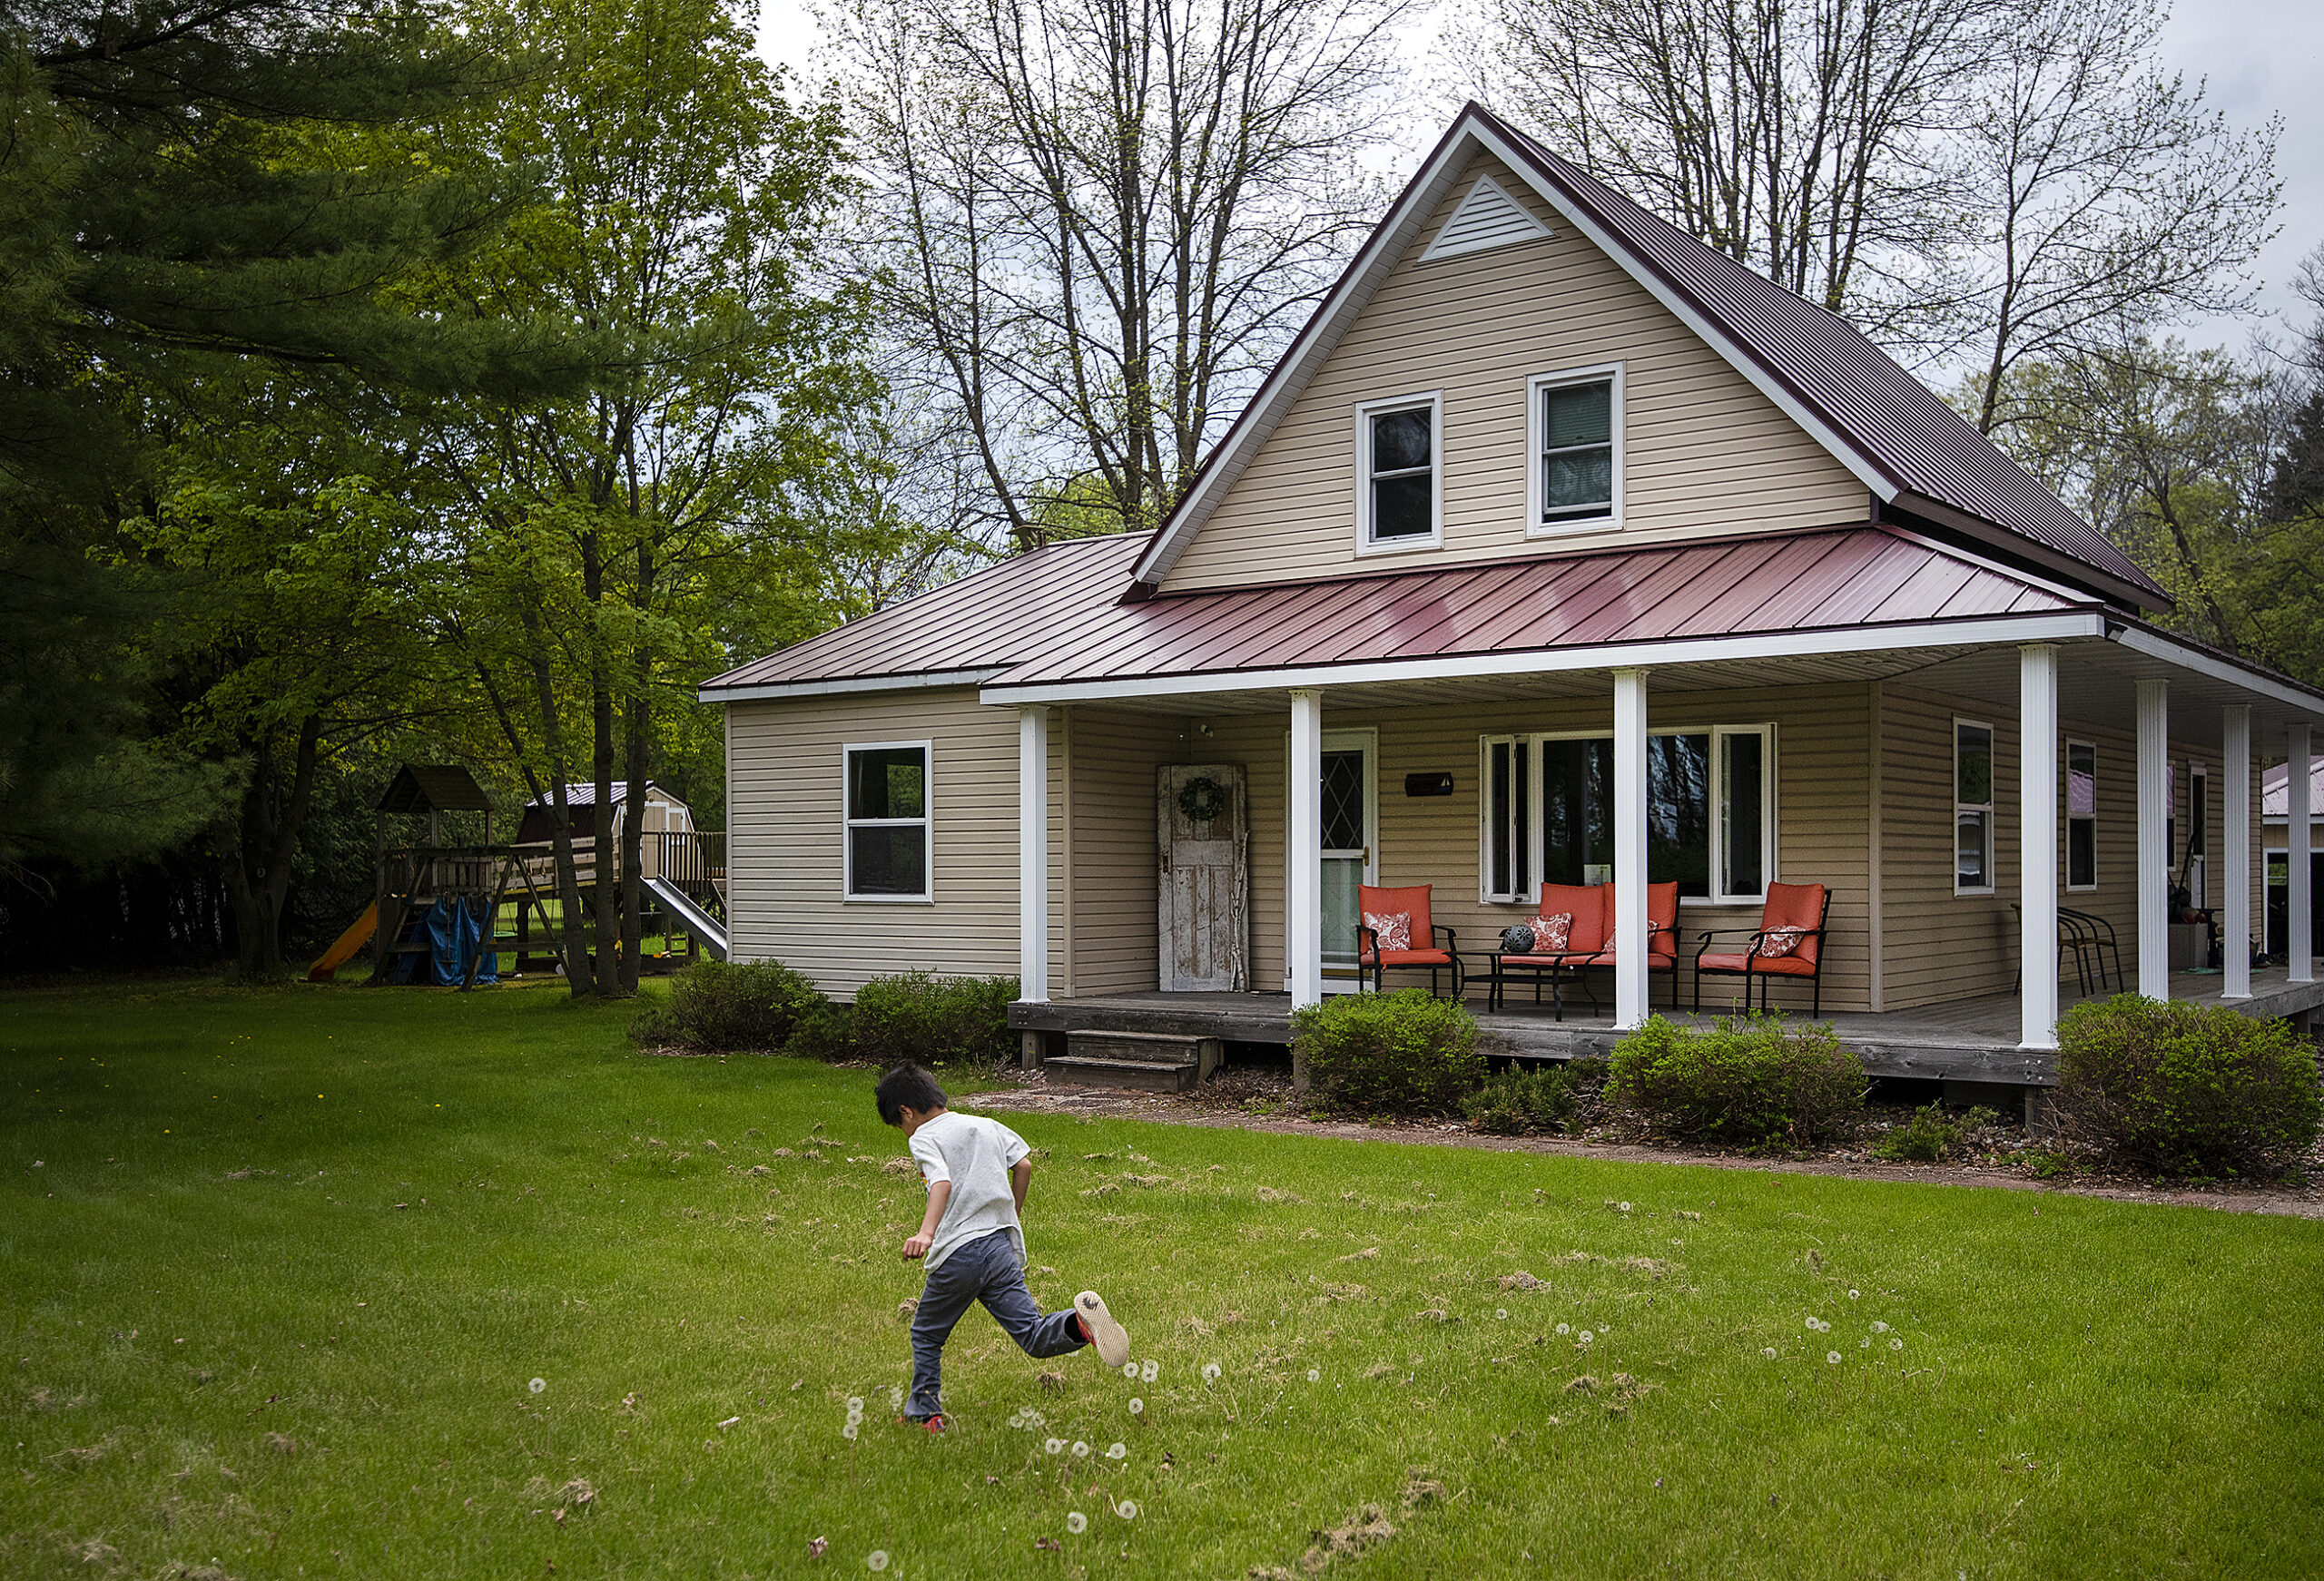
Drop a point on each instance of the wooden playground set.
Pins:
(458, 916)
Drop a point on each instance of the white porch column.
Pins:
(1305, 934)
(2037, 842)
(1629, 848)
(2235, 833)
(2154, 839)
(2299, 947)
(1033, 854)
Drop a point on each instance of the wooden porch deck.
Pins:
(1973, 1040)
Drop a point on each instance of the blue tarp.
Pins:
(454, 933)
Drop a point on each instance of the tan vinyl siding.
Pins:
(784, 867)
(1115, 865)
(1706, 452)
(1939, 946)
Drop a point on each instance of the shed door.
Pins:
(1202, 829)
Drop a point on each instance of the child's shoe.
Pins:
(1098, 1326)
(935, 1424)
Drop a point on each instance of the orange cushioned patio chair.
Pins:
(1435, 949)
(1589, 942)
(1791, 927)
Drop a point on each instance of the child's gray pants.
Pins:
(986, 1270)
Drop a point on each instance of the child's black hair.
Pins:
(908, 1086)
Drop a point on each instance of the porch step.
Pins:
(1156, 1062)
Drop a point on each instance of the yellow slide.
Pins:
(342, 950)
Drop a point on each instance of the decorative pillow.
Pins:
(1552, 934)
(1781, 941)
(1394, 928)
(1517, 940)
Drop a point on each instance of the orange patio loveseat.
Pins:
(1590, 937)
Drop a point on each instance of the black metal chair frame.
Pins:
(1751, 953)
(1555, 973)
(1437, 930)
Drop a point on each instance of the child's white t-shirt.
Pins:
(975, 1154)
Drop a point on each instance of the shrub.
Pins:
(934, 1020)
(1751, 1080)
(722, 1007)
(2186, 1090)
(1544, 1100)
(1405, 1053)
(1932, 1135)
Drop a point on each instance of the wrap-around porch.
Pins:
(2197, 727)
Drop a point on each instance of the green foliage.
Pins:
(1752, 1080)
(933, 1020)
(1932, 1134)
(2182, 1089)
(721, 1007)
(1403, 1053)
(1545, 1099)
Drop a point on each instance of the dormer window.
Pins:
(1576, 450)
(1400, 493)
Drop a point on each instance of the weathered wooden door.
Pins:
(1202, 823)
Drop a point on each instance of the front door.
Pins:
(1351, 842)
(1203, 831)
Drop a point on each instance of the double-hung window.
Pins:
(889, 850)
(1575, 476)
(2082, 815)
(1972, 807)
(1549, 813)
(1399, 481)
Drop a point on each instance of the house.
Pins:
(1562, 548)
(2275, 810)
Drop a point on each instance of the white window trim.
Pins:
(1988, 807)
(1364, 546)
(1535, 816)
(926, 822)
(2067, 851)
(1536, 484)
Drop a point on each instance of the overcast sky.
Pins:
(2260, 57)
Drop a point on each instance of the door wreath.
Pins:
(1201, 800)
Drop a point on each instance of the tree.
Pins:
(1101, 220)
(2106, 200)
(605, 541)
(1798, 136)
(176, 208)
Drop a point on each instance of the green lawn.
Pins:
(277, 1269)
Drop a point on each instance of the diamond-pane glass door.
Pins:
(1347, 848)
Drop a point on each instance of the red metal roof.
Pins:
(1842, 578)
(985, 621)
(1055, 614)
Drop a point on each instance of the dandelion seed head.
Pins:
(1076, 1523)
(856, 1404)
(1136, 1407)
(850, 1429)
(1210, 1372)
(1855, 1295)
(1080, 1450)
(876, 1560)
(1625, 1207)
(1586, 1337)
(1315, 1375)
(1864, 1344)
(1117, 1452)
(1055, 1445)
(1879, 1328)
(1564, 1329)
(1768, 1351)
(1130, 1369)
(1150, 1372)
(537, 1384)
(1126, 1509)
(1895, 1344)
(895, 1397)
(1833, 1356)
(1501, 1313)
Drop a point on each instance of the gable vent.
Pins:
(1487, 217)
